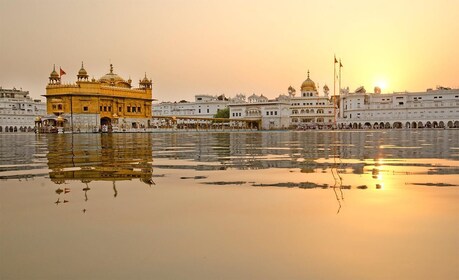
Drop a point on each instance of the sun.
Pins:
(382, 84)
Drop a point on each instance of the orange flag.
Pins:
(62, 72)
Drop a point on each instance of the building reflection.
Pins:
(88, 158)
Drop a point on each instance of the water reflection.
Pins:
(306, 160)
(94, 157)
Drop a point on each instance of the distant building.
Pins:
(18, 111)
(271, 114)
(306, 111)
(204, 106)
(311, 110)
(430, 109)
(109, 103)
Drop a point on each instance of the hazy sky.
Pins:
(228, 47)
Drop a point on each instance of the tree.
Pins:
(222, 113)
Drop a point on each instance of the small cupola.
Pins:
(82, 74)
(54, 77)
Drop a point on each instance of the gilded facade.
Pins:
(107, 104)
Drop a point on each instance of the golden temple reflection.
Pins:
(98, 157)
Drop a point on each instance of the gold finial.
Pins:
(308, 73)
(111, 68)
(54, 67)
(82, 64)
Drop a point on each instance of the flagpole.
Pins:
(334, 91)
(339, 84)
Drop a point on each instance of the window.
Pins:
(129, 109)
(105, 108)
(109, 108)
(207, 110)
(100, 108)
(138, 109)
(133, 109)
(120, 109)
(85, 108)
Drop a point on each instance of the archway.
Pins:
(105, 124)
(441, 124)
(397, 125)
(387, 125)
(414, 125)
(407, 125)
(105, 121)
(428, 125)
(435, 125)
(367, 125)
(420, 125)
(456, 124)
(375, 126)
(381, 125)
(450, 124)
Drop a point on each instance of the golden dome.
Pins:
(113, 79)
(308, 85)
(37, 119)
(60, 119)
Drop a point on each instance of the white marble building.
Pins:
(306, 111)
(204, 106)
(310, 109)
(270, 114)
(437, 108)
(18, 110)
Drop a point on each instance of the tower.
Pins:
(54, 78)
(82, 74)
(145, 82)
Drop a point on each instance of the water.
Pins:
(262, 205)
